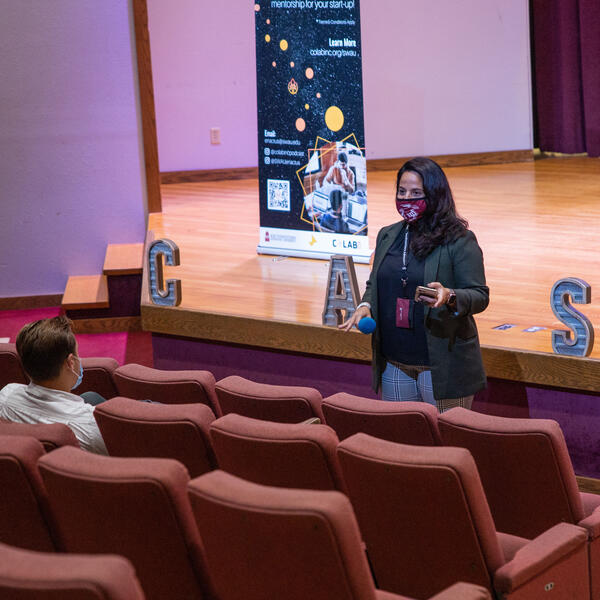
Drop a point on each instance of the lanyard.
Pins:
(404, 276)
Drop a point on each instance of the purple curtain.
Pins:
(566, 36)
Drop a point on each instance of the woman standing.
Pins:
(425, 348)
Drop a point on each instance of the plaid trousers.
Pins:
(406, 383)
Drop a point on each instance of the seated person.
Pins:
(340, 174)
(333, 220)
(48, 351)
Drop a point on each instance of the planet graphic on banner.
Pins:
(334, 118)
(292, 86)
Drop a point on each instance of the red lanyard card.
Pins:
(404, 309)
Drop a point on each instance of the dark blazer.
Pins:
(452, 340)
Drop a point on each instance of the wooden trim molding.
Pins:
(373, 164)
(28, 302)
(250, 331)
(588, 484)
(542, 368)
(107, 325)
(457, 160)
(144, 65)
(145, 295)
(208, 175)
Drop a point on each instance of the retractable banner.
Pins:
(311, 151)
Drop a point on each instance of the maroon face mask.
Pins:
(411, 210)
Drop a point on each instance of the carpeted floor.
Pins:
(132, 347)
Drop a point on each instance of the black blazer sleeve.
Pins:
(472, 294)
(372, 281)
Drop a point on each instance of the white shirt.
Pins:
(36, 404)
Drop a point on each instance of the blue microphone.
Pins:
(366, 325)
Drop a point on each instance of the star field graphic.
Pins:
(310, 116)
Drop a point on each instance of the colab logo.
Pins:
(267, 237)
(292, 86)
(337, 243)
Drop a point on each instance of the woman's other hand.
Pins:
(443, 294)
(359, 313)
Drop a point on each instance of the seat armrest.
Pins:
(463, 591)
(458, 591)
(99, 362)
(382, 595)
(311, 421)
(592, 524)
(539, 554)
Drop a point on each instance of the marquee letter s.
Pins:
(580, 340)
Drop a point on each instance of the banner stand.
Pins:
(312, 164)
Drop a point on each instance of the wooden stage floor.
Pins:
(535, 221)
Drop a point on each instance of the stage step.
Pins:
(86, 291)
(123, 259)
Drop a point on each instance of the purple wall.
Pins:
(71, 177)
(578, 415)
(439, 78)
(446, 77)
(328, 375)
(204, 71)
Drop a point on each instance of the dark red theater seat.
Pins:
(145, 429)
(281, 403)
(27, 575)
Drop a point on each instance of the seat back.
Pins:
(167, 387)
(281, 403)
(97, 372)
(27, 575)
(264, 542)
(422, 513)
(522, 463)
(98, 376)
(51, 435)
(136, 507)
(11, 370)
(24, 515)
(279, 454)
(403, 422)
(143, 429)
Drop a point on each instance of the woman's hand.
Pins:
(359, 313)
(443, 294)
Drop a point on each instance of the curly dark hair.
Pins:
(440, 223)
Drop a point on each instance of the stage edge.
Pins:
(539, 368)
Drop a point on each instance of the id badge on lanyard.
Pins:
(404, 306)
